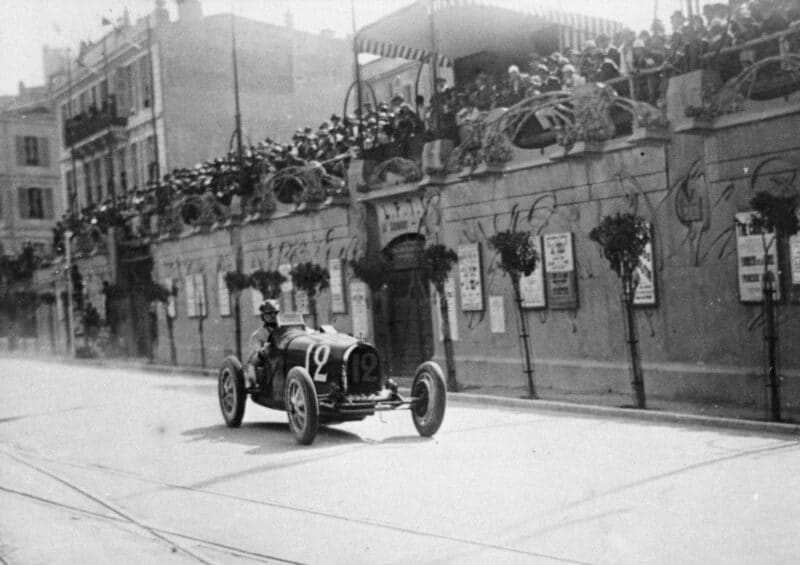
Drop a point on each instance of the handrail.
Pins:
(794, 28)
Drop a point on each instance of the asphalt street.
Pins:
(102, 464)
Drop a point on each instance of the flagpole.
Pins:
(358, 80)
(73, 196)
(109, 134)
(153, 96)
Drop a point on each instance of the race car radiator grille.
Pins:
(363, 371)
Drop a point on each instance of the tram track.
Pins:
(164, 534)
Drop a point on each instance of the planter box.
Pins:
(694, 126)
(435, 154)
(687, 90)
(582, 148)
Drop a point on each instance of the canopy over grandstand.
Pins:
(461, 28)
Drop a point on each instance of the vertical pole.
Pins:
(452, 383)
(524, 337)
(771, 341)
(70, 318)
(72, 197)
(153, 97)
(236, 233)
(434, 58)
(109, 135)
(357, 71)
(637, 380)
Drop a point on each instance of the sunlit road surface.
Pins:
(115, 466)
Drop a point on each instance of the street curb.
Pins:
(483, 400)
(626, 413)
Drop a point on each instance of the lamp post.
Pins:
(70, 321)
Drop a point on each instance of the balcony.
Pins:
(87, 124)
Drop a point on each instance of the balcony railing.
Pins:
(87, 124)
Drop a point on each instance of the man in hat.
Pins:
(262, 343)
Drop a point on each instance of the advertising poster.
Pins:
(257, 298)
(752, 258)
(287, 302)
(301, 302)
(559, 266)
(191, 299)
(469, 271)
(360, 316)
(172, 311)
(532, 287)
(336, 286)
(645, 294)
(794, 250)
(200, 294)
(450, 292)
(497, 315)
(224, 295)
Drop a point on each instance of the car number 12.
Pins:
(320, 356)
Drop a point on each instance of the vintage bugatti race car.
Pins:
(323, 376)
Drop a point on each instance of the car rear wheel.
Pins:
(430, 394)
(302, 406)
(231, 391)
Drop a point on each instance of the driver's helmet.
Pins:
(270, 306)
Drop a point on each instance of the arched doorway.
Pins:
(404, 322)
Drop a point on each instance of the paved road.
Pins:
(100, 464)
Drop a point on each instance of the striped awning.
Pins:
(465, 27)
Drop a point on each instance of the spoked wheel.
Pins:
(231, 391)
(430, 392)
(302, 406)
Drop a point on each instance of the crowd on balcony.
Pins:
(398, 128)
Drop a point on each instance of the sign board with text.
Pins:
(531, 288)
(752, 256)
(559, 266)
(469, 271)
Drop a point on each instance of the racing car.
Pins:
(322, 376)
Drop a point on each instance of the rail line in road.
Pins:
(163, 534)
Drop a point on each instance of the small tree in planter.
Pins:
(622, 238)
(373, 269)
(775, 215)
(518, 257)
(236, 283)
(311, 278)
(437, 261)
(268, 283)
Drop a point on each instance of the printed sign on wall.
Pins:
(257, 298)
(172, 310)
(301, 302)
(450, 292)
(336, 286)
(287, 287)
(794, 255)
(360, 315)
(224, 295)
(750, 247)
(469, 271)
(200, 294)
(645, 294)
(559, 266)
(497, 315)
(531, 288)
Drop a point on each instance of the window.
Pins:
(36, 203)
(98, 179)
(123, 170)
(135, 165)
(32, 151)
(87, 176)
(151, 158)
(144, 74)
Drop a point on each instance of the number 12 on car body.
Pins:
(318, 355)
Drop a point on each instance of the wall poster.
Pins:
(172, 310)
(497, 315)
(469, 271)
(224, 295)
(559, 266)
(359, 313)
(794, 257)
(196, 295)
(287, 302)
(752, 258)
(532, 287)
(336, 286)
(450, 292)
(645, 294)
(257, 298)
(301, 303)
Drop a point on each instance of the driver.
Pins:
(261, 341)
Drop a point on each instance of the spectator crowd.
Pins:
(694, 42)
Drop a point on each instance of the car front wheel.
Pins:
(302, 406)
(231, 391)
(430, 398)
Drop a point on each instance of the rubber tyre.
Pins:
(302, 406)
(231, 391)
(430, 390)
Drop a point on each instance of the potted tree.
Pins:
(311, 278)
(518, 257)
(236, 282)
(437, 261)
(775, 219)
(622, 239)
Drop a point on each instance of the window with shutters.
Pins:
(87, 175)
(36, 203)
(122, 165)
(135, 165)
(144, 74)
(98, 179)
(151, 158)
(31, 150)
